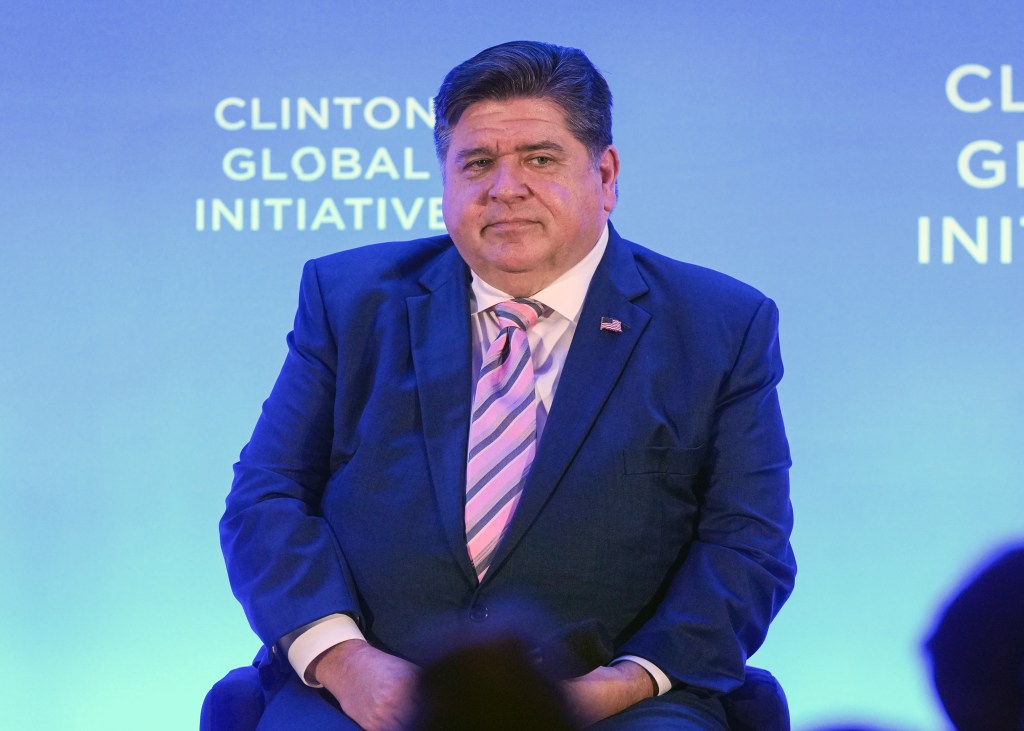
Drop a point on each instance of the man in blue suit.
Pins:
(652, 492)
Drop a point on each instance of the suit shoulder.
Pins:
(391, 260)
(361, 286)
(384, 270)
(692, 281)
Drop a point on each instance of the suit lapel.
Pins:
(440, 340)
(594, 363)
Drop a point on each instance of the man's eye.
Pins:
(477, 164)
(542, 160)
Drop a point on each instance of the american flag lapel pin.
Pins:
(611, 324)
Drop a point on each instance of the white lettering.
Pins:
(1007, 102)
(245, 169)
(414, 109)
(436, 215)
(218, 113)
(346, 103)
(280, 213)
(235, 217)
(345, 163)
(358, 205)
(268, 172)
(381, 112)
(406, 220)
(975, 243)
(381, 163)
(995, 168)
(278, 205)
(258, 123)
(953, 232)
(953, 88)
(327, 213)
(409, 172)
(394, 113)
(304, 110)
(319, 164)
(924, 238)
(1020, 163)
(1006, 239)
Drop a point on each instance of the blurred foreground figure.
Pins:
(977, 649)
(494, 686)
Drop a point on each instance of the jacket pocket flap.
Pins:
(663, 460)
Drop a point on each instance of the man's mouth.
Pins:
(510, 224)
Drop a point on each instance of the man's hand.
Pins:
(605, 691)
(374, 688)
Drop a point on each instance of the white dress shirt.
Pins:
(550, 339)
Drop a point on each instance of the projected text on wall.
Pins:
(982, 164)
(389, 146)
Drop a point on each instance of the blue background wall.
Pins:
(792, 144)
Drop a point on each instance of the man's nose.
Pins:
(508, 183)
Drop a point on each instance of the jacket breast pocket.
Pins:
(664, 484)
(663, 461)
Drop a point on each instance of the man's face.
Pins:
(522, 199)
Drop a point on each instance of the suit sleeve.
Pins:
(717, 607)
(284, 564)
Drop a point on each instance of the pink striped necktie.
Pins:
(502, 433)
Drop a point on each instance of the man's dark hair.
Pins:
(529, 69)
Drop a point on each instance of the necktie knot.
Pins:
(520, 312)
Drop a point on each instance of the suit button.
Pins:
(478, 613)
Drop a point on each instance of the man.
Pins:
(619, 459)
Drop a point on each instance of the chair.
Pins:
(235, 703)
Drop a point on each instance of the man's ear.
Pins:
(608, 166)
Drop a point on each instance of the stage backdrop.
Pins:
(167, 167)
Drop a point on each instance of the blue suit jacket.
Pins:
(657, 503)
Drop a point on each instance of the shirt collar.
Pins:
(565, 295)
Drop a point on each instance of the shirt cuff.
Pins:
(307, 643)
(660, 679)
